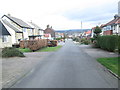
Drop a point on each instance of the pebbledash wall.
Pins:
(8, 43)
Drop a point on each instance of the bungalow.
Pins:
(49, 30)
(5, 37)
(112, 27)
(38, 33)
(18, 29)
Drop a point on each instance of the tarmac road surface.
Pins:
(69, 67)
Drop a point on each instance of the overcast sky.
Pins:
(62, 14)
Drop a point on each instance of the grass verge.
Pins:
(50, 49)
(112, 63)
(24, 50)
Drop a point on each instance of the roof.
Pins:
(35, 35)
(50, 31)
(11, 26)
(34, 25)
(88, 32)
(114, 21)
(102, 25)
(3, 30)
(18, 22)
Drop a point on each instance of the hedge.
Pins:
(11, 52)
(34, 44)
(109, 42)
(119, 44)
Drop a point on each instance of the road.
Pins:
(69, 67)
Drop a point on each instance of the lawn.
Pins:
(111, 63)
(24, 50)
(50, 49)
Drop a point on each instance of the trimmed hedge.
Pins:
(34, 44)
(119, 44)
(109, 42)
(11, 52)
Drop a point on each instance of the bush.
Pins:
(11, 52)
(85, 41)
(76, 39)
(52, 43)
(92, 39)
(109, 42)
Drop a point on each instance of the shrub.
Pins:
(109, 42)
(119, 44)
(85, 41)
(52, 43)
(76, 39)
(11, 52)
(92, 39)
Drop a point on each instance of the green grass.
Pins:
(24, 50)
(112, 63)
(50, 49)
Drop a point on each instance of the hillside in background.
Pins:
(73, 30)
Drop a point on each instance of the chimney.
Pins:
(51, 27)
(9, 14)
(48, 26)
(116, 16)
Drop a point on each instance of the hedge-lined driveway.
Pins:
(70, 67)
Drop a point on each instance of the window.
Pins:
(24, 30)
(4, 38)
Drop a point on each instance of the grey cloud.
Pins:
(91, 14)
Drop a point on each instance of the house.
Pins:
(18, 29)
(47, 36)
(92, 32)
(5, 37)
(112, 27)
(49, 30)
(59, 35)
(38, 33)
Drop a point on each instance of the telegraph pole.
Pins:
(81, 25)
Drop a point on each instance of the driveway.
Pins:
(70, 67)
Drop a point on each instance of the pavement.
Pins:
(15, 68)
(69, 67)
(97, 52)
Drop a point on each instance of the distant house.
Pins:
(49, 30)
(92, 32)
(18, 29)
(5, 37)
(112, 27)
(38, 33)
(47, 36)
(59, 35)
(88, 33)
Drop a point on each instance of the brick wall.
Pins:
(108, 32)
